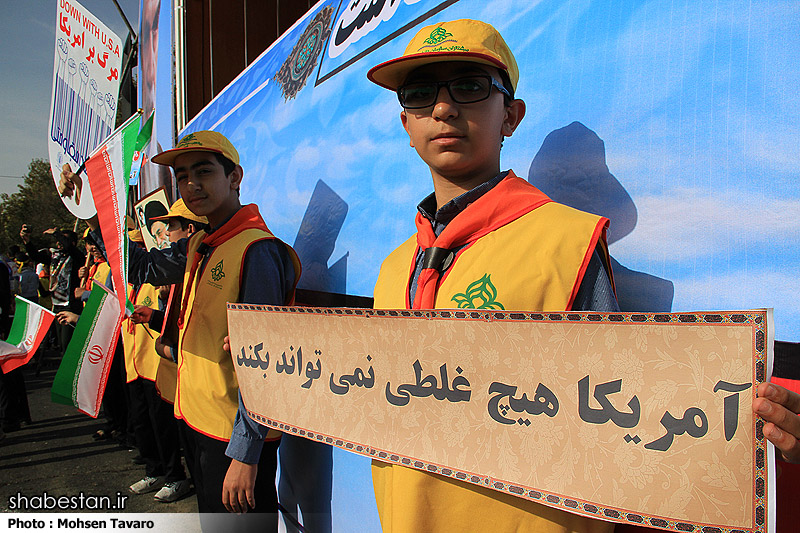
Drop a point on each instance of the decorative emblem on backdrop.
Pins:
(297, 68)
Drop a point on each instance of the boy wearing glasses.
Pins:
(481, 228)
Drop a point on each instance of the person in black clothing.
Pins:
(5, 299)
(14, 410)
(64, 279)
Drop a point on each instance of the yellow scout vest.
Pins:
(101, 273)
(167, 373)
(128, 345)
(535, 263)
(145, 358)
(207, 390)
(166, 379)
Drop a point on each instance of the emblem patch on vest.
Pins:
(216, 272)
(147, 301)
(480, 294)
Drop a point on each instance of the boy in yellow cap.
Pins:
(181, 222)
(154, 423)
(236, 260)
(456, 83)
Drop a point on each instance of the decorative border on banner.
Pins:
(754, 318)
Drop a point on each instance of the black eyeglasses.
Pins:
(466, 90)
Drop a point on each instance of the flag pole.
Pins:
(82, 168)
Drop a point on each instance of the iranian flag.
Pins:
(31, 322)
(81, 378)
(109, 168)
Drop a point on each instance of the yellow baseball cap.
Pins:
(199, 141)
(136, 236)
(179, 209)
(458, 40)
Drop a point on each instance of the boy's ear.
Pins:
(236, 177)
(404, 120)
(514, 115)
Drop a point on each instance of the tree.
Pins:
(37, 204)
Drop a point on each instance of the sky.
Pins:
(26, 76)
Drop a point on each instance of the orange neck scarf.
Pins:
(504, 203)
(247, 217)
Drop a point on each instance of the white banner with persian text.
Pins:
(637, 418)
(83, 110)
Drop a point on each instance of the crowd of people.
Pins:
(43, 276)
(174, 385)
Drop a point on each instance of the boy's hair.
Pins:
(184, 222)
(227, 165)
(506, 81)
(70, 235)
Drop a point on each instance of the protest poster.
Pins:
(636, 418)
(154, 232)
(83, 104)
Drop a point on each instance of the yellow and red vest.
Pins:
(100, 274)
(534, 263)
(166, 379)
(206, 396)
(141, 359)
(167, 373)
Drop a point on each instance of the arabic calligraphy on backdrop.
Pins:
(640, 418)
(359, 18)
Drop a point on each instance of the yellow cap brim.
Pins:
(167, 157)
(391, 74)
(135, 235)
(188, 216)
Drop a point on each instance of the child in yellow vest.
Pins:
(155, 427)
(237, 260)
(483, 229)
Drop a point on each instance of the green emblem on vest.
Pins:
(438, 35)
(216, 272)
(480, 294)
(147, 301)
